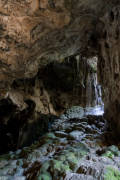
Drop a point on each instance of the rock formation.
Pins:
(34, 102)
(36, 35)
(33, 33)
(109, 65)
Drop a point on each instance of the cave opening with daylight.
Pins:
(60, 89)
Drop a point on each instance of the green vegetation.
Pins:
(112, 174)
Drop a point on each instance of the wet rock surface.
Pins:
(76, 147)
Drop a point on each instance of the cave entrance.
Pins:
(87, 86)
(60, 85)
(73, 81)
(93, 89)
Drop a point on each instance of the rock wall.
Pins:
(36, 32)
(36, 101)
(109, 65)
(58, 86)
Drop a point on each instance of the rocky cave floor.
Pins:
(78, 146)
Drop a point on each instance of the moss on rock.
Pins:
(112, 173)
(108, 154)
(45, 176)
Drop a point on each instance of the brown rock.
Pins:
(34, 33)
(109, 65)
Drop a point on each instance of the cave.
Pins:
(60, 90)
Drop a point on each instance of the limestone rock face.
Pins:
(36, 101)
(109, 64)
(57, 87)
(35, 32)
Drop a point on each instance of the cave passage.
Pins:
(77, 145)
(71, 83)
(60, 89)
(74, 143)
